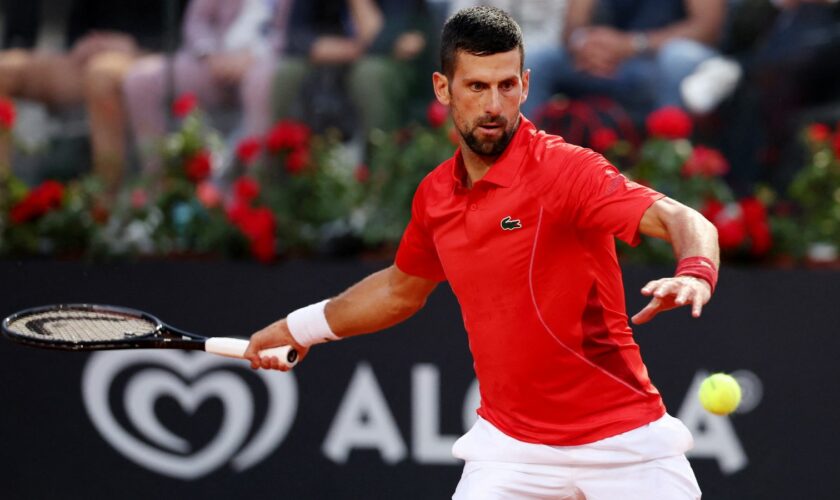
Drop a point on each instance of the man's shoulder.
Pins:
(439, 180)
(550, 154)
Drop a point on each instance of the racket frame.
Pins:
(163, 337)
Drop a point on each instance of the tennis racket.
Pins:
(92, 327)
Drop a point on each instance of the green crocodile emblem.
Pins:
(509, 224)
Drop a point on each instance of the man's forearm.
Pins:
(690, 234)
(379, 301)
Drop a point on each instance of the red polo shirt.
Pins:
(529, 252)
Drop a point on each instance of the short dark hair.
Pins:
(480, 31)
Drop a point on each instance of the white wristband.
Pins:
(308, 325)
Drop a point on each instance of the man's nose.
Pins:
(493, 103)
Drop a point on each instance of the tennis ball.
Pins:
(720, 394)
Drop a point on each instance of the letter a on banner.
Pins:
(430, 447)
(364, 421)
(714, 436)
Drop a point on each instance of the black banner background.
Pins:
(780, 325)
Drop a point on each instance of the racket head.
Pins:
(87, 327)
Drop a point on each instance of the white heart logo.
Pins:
(173, 455)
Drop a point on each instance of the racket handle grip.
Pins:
(235, 348)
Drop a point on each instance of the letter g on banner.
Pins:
(189, 379)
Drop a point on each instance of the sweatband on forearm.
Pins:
(308, 325)
(698, 267)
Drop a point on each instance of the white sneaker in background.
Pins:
(713, 81)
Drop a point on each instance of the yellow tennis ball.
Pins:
(720, 394)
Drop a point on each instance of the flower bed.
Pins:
(292, 192)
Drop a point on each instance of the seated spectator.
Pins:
(228, 57)
(792, 66)
(365, 48)
(635, 51)
(103, 38)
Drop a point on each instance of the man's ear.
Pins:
(441, 86)
(526, 80)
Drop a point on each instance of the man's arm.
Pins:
(379, 301)
(691, 235)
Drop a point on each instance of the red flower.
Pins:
(208, 194)
(711, 209)
(454, 136)
(731, 229)
(755, 220)
(7, 114)
(198, 166)
(184, 105)
(258, 225)
(238, 211)
(436, 114)
(818, 132)
(837, 144)
(297, 160)
(669, 122)
(362, 173)
(555, 108)
(729, 221)
(246, 189)
(603, 139)
(248, 150)
(287, 134)
(37, 202)
(99, 214)
(706, 162)
(139, 198)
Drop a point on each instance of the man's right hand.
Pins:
(274, 335)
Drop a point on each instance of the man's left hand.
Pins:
(670, 293)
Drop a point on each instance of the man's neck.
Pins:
(478, 165)
(475, 164)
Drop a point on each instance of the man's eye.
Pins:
(476, 86)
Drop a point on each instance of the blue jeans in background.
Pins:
(642, 84)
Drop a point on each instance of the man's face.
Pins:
(484, 96)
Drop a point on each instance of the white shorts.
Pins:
(642, 464)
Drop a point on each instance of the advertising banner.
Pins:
(375, 417)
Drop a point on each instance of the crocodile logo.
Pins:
(509, 224)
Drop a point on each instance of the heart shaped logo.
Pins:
(159, 374)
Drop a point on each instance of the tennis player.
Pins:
(522, 226)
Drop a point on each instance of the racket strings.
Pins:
(81, 326)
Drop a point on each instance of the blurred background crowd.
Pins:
(102, 88)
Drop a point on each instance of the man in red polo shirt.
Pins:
(522, 226)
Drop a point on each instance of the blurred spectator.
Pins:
(20, 23)
(351, 55)
(103, 38)
(228, 56)
(541, 20)
(791, 71)
(636, 51)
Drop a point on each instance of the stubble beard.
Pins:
(489, 147)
